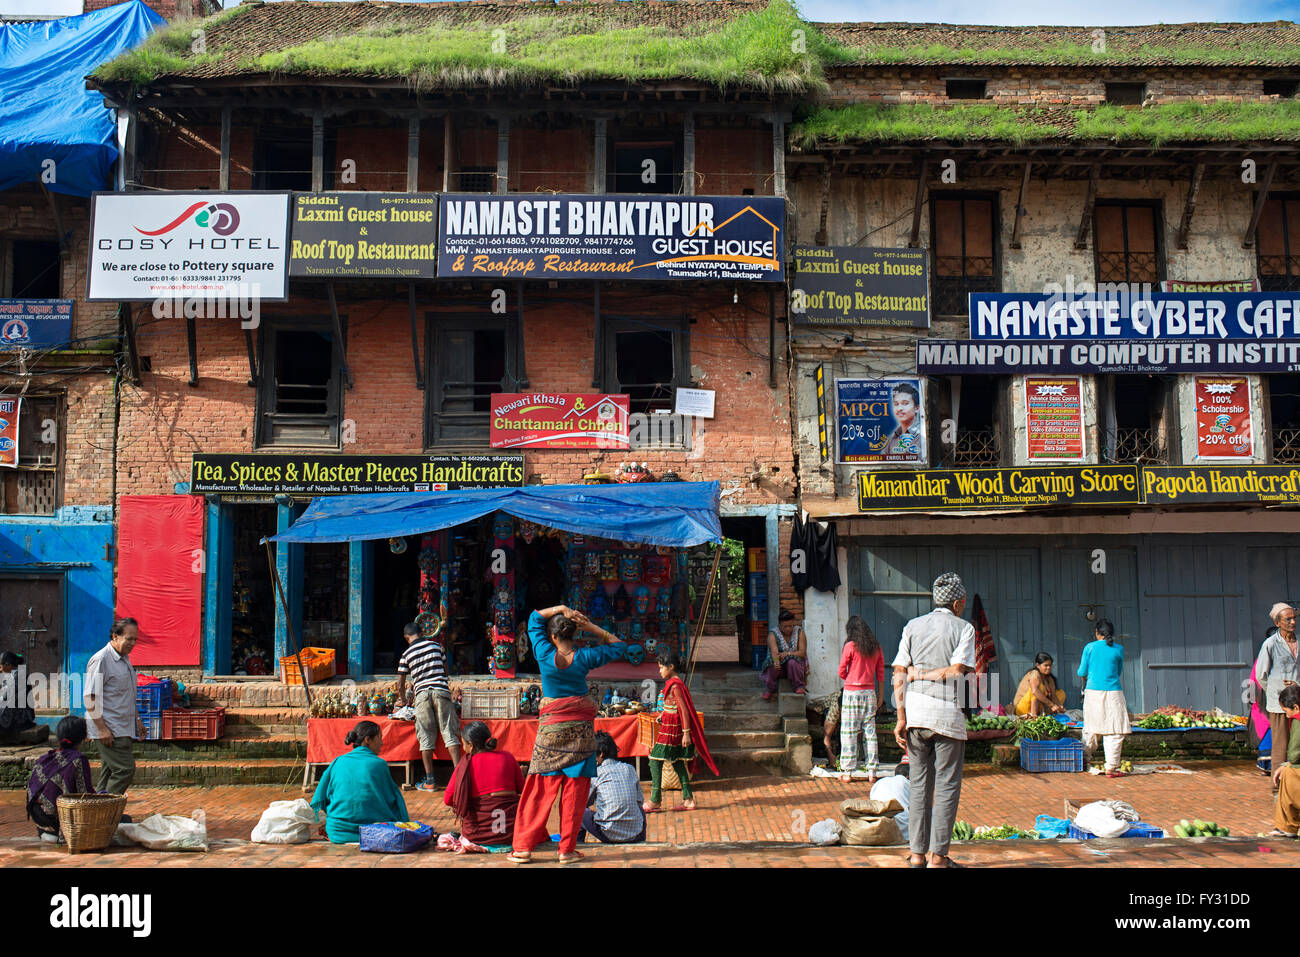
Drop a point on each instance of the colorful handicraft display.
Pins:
(503, 605)
(629, 568)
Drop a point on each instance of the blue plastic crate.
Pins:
(1040, 757)
(759, 656)
(1137, 830)
(153, 699)
(152, 727)
(758, 609)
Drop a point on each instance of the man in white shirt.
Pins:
(111, 714)
(936, 652)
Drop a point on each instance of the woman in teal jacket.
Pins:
(357, 788)
(1105, 711)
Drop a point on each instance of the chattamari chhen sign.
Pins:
(574, 236)
(856, 285)
(558, 420)
(311, 474)
(361, 235)
(958, 489)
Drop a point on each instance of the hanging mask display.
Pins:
(503, 526)
(428, 561)
(621, 603)
(574, 567)
(503, 654)
(608, 566)
(643, 602)
(503, 612)
(651, 645)
(598, 606)
(664, 603)
(527, 531)
(656, 569)
(629, 568)
(593, 564)
(624, 630)
(638, 632)
(634, 655)
(590, 583)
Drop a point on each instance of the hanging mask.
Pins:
(608, 567)
(503, 654)
(527, 531)
(629, 568)
(634, 655)
(592, 564)
(598, 607)
(664, 603)
(656, 570)
(624, 630)
(621, 603)
(503, 612)
(638, 632)
(642, 600)
(590, 583)
(574, 567)
(651, 646)
(503, 526)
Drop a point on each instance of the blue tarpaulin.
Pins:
(46, 112)
(653, 513)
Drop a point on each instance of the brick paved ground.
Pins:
(752, 822)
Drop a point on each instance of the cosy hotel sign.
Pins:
(733, 238)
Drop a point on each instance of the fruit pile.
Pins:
(1199, 828)
(989, 722)
(1171, 717)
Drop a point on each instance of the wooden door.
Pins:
(31, 624)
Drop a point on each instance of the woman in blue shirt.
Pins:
(357, 788)
(1105, 711)
(564, 753)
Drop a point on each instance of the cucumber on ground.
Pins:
(1181, 831)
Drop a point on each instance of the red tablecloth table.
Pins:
(325, 738)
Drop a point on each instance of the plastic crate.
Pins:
(152, 727)
(758, 559)
(758, 633)
(1137, 830)
(500, 703)
(759, 655)
(194, 725)
(153, 699)
(318, 662)
(1048, 756)
(758, 610)
(758, 582)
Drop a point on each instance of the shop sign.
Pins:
(1216, 484)
(1122, 357)
(860, 286)
(697, 402)
(188, 245)
(880, 421)
(314, 474)
(1223, 418)
(964, 489)
(1178, 316)
(559, 420)
(575, 236)
(35, 323)
(1201, 285)
(10, 406)
(1054, 418)
(364, 235)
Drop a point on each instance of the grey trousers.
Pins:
(117, 765)
(935, 779)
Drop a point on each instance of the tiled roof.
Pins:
(1186, 44)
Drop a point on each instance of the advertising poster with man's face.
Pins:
(880, 421)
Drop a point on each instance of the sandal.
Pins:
(1278, 832)
(846, 778)
(685, 806)
(649, 808)
(574, 858)
(948, 862)
(912, 863)
(516, 858)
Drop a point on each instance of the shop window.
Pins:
(31, 269)
(1284, 416)
(1134, 412)
(1126, 94)
(648, 359)
(282, 160)
(1286, 88)
(478, 179)
(1127, 239)
(302, 386)
(964, 236)
(966, 89)
(1277, 242)
(33, 487)
(469, 359)
(974, 410)
(644, 167)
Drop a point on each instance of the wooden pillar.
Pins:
(1090, 201)
(600, 146)
(1185, 226)
(317, 151)
(361, 594)
(914, 238)
(224, 176)
(448, 153)
(218, 588)
(1248, 240)
(688, 153)
(503, 154)
(413, 154)
(288, 561)
(1020, 206)
(778, 155)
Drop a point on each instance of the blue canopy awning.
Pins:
(653, 513)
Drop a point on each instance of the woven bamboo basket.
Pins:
(89, 820)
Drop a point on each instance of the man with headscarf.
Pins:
(936, 652)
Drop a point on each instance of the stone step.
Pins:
(746, 762)
(745, 740)
(252, 747)
(741, 721)
(741, 680)
(210, 773)
(753, 703)
(240, 719)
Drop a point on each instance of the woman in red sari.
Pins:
(484, 789)
(680, 738)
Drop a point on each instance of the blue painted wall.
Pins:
(72, 542)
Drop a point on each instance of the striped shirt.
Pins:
(424, 662)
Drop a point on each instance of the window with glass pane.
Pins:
(33, 487)
(1277, 241)
(1127, 239)
(644, 367)
(300, 387)
(34, 270)
(964, 240)
(470, 365)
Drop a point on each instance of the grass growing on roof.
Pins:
(869, 123)
(172, 49)
(1238, 122)
(1118, 49)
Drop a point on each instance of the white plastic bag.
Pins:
(169, 832)
(825, 832)
(285, 822)
(1105, 818)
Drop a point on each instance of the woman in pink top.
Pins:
(862, 666)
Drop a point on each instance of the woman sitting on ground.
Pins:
(484, 789)
(1037, 693)
(357, 788)
(62, 771)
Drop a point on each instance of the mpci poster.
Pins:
(879, 421)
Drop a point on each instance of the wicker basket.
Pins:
(480, 703)
(648, 726)
(89, 820)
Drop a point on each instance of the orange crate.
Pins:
(193, 725)
(758, 633)
(319, 663)
(648, 726)
(758, 559)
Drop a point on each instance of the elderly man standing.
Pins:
(111, 709)
(936, 651)
(1275, 668)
